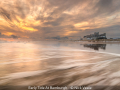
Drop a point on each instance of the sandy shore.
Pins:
(84, 68)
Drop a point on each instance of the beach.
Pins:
(44, 63)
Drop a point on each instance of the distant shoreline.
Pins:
(103, 40)
(100, 41)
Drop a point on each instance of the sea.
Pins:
(36, 65)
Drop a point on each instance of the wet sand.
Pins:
(59, 67)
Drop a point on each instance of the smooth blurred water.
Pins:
(59, 63)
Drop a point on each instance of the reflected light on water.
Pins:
(43, 63)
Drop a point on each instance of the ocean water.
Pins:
(54, 63)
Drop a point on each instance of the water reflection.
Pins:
(96, 46)
(56, 64)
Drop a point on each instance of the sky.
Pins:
(47, 19)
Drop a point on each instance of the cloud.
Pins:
(39, 19)
(13, 36)
(10, 36)
(107, 7)
(5, 14)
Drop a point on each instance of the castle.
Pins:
(95, 36)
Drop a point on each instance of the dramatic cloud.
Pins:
(56, 19)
